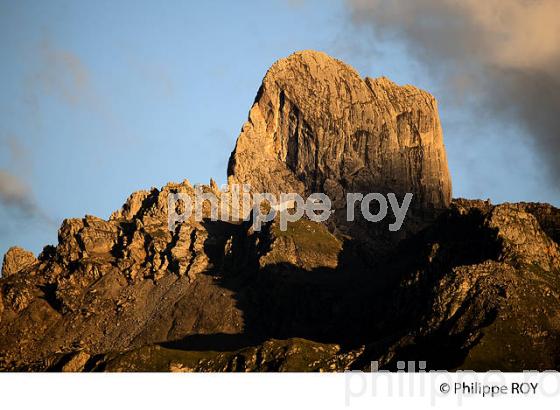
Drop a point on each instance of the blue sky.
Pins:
(100, 99)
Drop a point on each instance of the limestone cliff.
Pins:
(317, 126)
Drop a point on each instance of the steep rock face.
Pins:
(317, 126)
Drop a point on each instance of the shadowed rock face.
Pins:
(317, 126)
(476, 288)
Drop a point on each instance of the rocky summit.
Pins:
(317, 126)
(464, 285)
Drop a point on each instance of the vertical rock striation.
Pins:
(317, 126)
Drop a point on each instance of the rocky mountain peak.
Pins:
(475, 288)
(317, 126)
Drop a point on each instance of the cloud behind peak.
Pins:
(506, 54)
